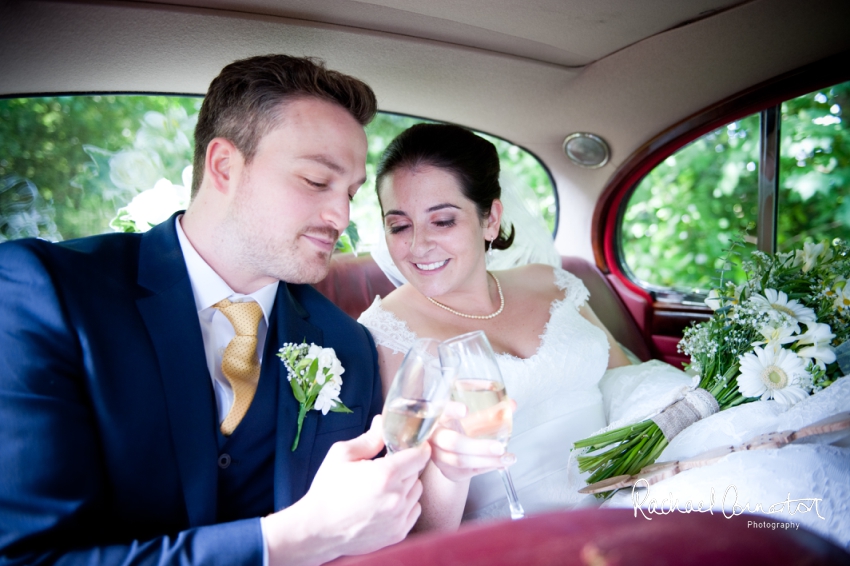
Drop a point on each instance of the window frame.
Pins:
(610, 209)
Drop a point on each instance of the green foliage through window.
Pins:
(69, 165)
(682, 216)
(87, 156)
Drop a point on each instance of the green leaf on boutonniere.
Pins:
(311, 373)
(340, 408)
(297, 391)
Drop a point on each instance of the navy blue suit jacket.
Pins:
(108, 449)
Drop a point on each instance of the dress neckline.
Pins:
(553, 307)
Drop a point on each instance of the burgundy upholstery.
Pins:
(613, 537)
(354, 281)
(608, 306)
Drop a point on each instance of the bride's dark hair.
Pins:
(472, 160)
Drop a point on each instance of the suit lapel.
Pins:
(291, 468)
(172, 322)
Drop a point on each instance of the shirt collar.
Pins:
(209, 288)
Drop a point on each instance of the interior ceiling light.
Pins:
(587, 150)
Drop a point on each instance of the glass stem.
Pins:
(516, 509)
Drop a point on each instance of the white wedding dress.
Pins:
(558, 402)
(564, 393)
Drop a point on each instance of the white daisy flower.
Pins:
(773, 374)
(842, 298)
(778, 301)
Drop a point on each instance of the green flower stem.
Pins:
(597, 460)
(631, 439)
(301, 413)
(611, 436)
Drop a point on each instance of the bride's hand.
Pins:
(460, 457)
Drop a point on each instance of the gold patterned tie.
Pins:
(239, 363)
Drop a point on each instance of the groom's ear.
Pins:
(222, 164)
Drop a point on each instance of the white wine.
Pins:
(489, 413)
(408, 423)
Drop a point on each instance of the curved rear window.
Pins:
(73, 166)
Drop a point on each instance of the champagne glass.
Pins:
(416, 399)
(479, 386)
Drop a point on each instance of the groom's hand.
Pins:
(460, 457)
(355, 505)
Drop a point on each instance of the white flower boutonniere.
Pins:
(314, 373)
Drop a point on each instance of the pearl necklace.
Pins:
(476, 316)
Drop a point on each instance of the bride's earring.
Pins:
(490, 248)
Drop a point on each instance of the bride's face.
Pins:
(434, 233)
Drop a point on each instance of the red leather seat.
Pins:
(354, 281)
(613, 537)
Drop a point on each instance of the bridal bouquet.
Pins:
(773, 337)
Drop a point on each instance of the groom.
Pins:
(144, 416)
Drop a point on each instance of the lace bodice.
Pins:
(557, 395)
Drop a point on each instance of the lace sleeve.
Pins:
(387, 329)
(573, 287)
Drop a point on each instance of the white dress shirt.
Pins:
(208, 289)
(217, 331)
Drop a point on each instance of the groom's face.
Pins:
(292, 199)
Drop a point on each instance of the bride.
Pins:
(439, 190)
(440, 195)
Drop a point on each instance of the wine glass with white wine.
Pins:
(479, 386)
(418, 394)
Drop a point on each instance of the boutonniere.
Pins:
(314, 373)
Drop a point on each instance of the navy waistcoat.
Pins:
(246, 459)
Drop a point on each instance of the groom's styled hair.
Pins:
(243, 102)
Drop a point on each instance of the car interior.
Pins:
(645, 77)
(601, 93)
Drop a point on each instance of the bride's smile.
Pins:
(431, 266)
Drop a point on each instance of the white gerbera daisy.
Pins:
(773, 374)
(778, 301)
(842, 298)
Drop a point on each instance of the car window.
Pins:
(73, 166)
(814, 189)
(683, 217)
